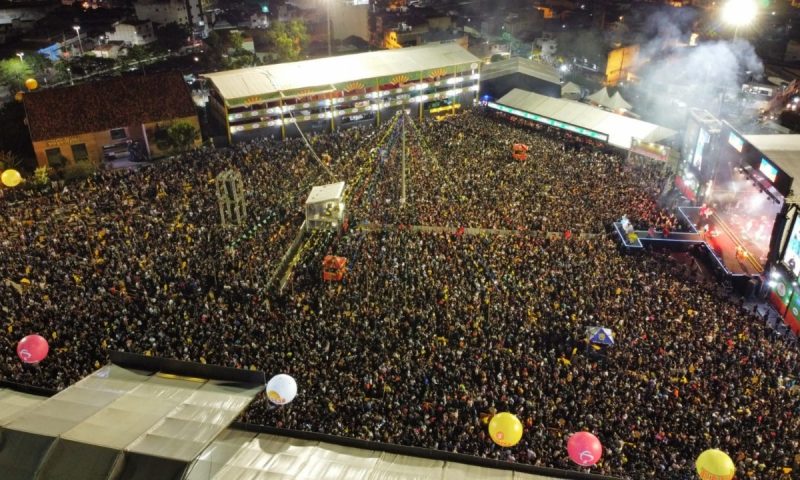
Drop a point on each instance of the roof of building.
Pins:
(521, 65)
(620, 129)
(268, 79)
(783, 150)
(107, 104)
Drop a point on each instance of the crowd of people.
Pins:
(432, 331)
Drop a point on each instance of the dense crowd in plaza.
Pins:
(432, 331)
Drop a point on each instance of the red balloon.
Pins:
(584, 449)
(32, 349)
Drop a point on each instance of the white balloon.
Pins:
(281, 389)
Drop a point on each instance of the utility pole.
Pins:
(403, 160)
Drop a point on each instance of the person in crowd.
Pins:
(457, 304)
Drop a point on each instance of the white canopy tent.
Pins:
(616, 102)
(577, 117)
(117, 421)
(600, 97)
(239, 455)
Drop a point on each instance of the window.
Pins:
(53, 157)
(79, 152)
(118, 134)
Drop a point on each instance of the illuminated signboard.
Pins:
(736, 142)
(768, 170)
(549, 121)
(791, 256)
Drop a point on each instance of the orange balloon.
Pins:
(31, 83)
(18, 96)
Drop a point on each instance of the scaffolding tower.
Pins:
(230, 195)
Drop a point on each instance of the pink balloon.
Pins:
(584, 449)
(32, 349)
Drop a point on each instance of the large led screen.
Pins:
(791, 256)
(702, 140)
(768, 170)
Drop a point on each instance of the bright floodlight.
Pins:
(739, 13)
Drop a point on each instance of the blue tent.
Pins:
(600, 335)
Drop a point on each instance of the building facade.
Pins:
(132, 32)
(104, 120)
(337, 92)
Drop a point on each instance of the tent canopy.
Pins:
(326, 193)
(616, 102)
(620, 129)
(146, 421)
(240, 455)
(600, 97)
(600, 335)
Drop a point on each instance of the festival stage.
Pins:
(720, 238)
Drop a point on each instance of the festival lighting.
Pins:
(739, 13)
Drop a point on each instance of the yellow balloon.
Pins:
(11, 178)
(505, 429)
(31, 83)
(715, 464)
(18, 96)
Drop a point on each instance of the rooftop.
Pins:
(107, 104)
(270, 79)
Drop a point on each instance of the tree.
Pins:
(178, 137)
(138, 54)
(236, 40)
(173, 36)
(14, 71)
(9, 159)
(287, 41)
(41, 176)
(15, 136)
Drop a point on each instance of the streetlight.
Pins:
(69, 72)
(739, 13)
(77, 29)
(20, 55)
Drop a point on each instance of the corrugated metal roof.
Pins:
(269, 79)
(620, 129)
(521, 65)
(783, 150)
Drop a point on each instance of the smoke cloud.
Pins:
(674, 76)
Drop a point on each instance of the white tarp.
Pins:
(616, 102)
(238, 455)
(600, 97)
(13, 403)
(619, 128)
